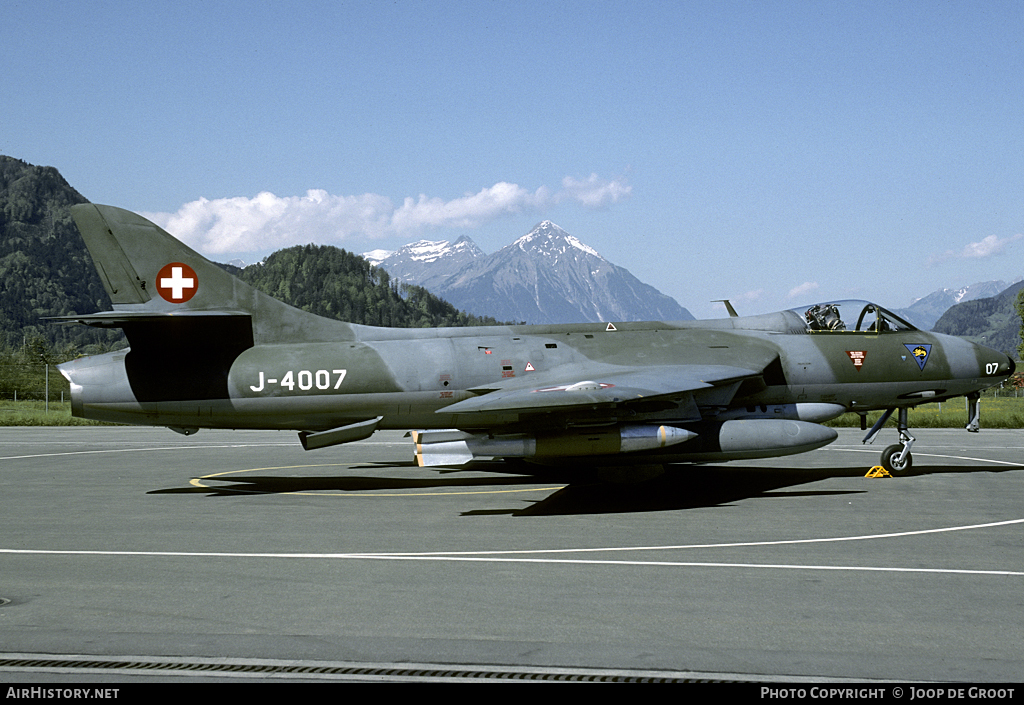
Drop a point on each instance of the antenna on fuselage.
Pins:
(728, 307)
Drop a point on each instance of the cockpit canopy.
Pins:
(850, 317)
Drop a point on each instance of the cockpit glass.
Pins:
(851, 317)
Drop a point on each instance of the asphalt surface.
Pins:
(236, 546)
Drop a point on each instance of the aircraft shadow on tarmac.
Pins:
(694, 487)
(679, 488)
(610, 491)
(584, 492)
(283, 484)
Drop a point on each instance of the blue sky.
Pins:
(774, 153)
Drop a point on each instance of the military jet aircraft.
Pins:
(209, 351)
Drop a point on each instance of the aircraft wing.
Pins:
(604, 388)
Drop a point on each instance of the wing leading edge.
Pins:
(585, 415)
(607, 388)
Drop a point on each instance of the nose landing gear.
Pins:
(895, 458)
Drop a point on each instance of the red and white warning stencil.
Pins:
(857, 358)
(177, 282)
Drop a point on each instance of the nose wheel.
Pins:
(896, 458)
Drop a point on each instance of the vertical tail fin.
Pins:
(149, 274)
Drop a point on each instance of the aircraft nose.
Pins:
(998, 365)
(991, 366)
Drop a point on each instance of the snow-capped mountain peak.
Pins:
(546, 276)
(426, 261)
(926, 311)
(375, 257)
(426, 250)
(546, 238)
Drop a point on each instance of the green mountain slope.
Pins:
(335, 283)
(993, 321)
(44, 267)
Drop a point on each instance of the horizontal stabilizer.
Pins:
(120, 319)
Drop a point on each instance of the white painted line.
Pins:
(936, 455)
(516, 556)
(497, 559)
(834, 539)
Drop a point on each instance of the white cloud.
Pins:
(268, 222)
(593, 192)
(469, 211)
(803, 289)
(271, 222)
(989, 247)
(992, 245)
(751, 296)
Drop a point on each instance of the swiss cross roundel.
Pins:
(177, 282)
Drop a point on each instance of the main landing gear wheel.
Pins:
(891, 460)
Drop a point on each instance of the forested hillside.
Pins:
(994, 321)
(44, 267)
(335, 283)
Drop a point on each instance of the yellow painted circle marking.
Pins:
(198, 482)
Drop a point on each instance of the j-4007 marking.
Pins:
(304, 379)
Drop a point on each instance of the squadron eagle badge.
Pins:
(920, 353)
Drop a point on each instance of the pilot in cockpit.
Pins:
(824, 317)
(870, 319)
